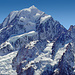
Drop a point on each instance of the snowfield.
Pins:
(6, 64)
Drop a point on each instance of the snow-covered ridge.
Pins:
(30, 34)
(29, 9)
(22, 39)
(40, 41)
(24, 13)
(44, 19)
(12, 15)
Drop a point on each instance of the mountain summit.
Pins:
(35, 44)
(29, 19)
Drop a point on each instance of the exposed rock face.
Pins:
(67, 62)
(50, 29)
(72, 33)
(44, 46)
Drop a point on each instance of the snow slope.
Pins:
(6, 64)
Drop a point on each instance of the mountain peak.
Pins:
(33, 41)
(32, 7)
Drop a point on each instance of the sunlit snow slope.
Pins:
(6, 64)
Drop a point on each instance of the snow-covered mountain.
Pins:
(35, 44)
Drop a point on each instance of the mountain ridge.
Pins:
(41, 43)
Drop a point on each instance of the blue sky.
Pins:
(61, 10)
